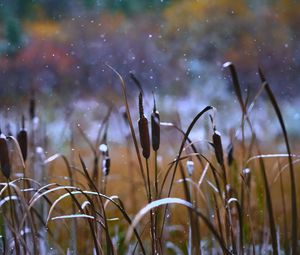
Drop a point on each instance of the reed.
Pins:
(22, 140)
(294, 212)
(217, 142)
(201, 197)
(4, 156)
(143, 129)
(155, 127)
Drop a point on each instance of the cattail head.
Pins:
(106, 165)
(230, 158)
(22, 140)
(155, 127)
(143, 129)
(190, 167)
(4, 156)
(40, 153)
(106, 159)
(247, 176)
(217, 142)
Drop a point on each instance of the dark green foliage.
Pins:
(130, 7)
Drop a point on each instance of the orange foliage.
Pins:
(45, 29)
(288, 11)
(184, 14)
(38, 54)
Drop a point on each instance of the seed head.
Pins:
(106, 165)
(22, 140)
(247, 176)
(4, 157)
(217, 141)
(143, 129)
(155, 127)
(230, 158)
(190, 167)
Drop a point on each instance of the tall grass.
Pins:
(203, 200)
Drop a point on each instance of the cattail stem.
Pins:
(152, 212)
(148, 181)
(130, 124)
(132, 179)
(155, 128)
(12, 215)
(285, 241)
(157, 239)
(156, 174)
(155, 135)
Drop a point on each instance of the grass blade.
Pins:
(294, 222)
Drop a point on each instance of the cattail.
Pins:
(155, 127)
(40, 153)
(190, 167)
(22, 140)
(4, 156)
(106, 165)
(106, 159)
(217, 142)
(247, 176)
(230, 158)
(32, 108)
(143, 129)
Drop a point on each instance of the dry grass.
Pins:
(164, 195)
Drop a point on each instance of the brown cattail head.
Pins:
(141, 107)
(4, 156)
(217, 142)
(155, 127)
(143, 129)
(22, 140)
(230, 158)
(32, 108)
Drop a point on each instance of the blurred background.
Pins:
(57, 49)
